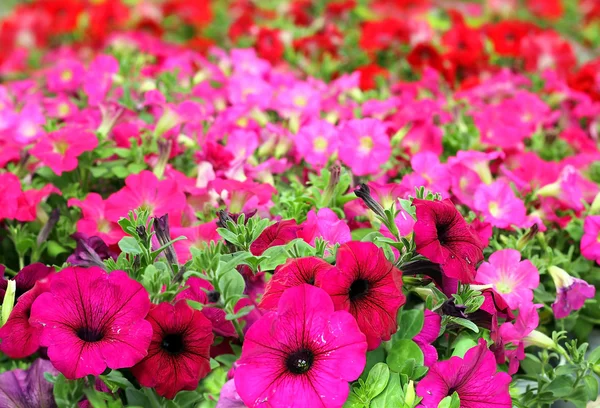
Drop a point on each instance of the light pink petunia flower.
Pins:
(500, 206)
(364, 146)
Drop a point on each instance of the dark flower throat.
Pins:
(172, 343)
(89, 335)
(299, 362)
(358, 289)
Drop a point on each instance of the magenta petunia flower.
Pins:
(200, 290)
(570, 189)
(590, 242)
(317, 142)
(432, 325)
(26, 278)
(179, 352)
(145, 190)
(571, 293)
(294, 272)
(94, 221)
(302, 355)
(364, 146)
(10, 190)
(500, 206)
(517, 335)
(92, 320)
(59, 150)
(279, 233)
(435, 175)
(443, 236)
(512, 278)
(473, 378)
(198, 236)
(18, 337)
(367, 285)
(325, 224)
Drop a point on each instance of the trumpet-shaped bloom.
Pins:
(366, 146)
(317, 142)
(325, 224)
(92, 320)
(28, 388)
(367, 285)
(512, 278)
(443, 236)
(473, 378)
(179, 352)
(500, 206)
(302, 355)
(279, 233)
(590, 242)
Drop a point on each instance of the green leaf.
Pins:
(561, 386)
(377, 380)
(594, 356)
(129, 245)
(465, 323)
(231, 284)
(462, 344)
(353, 402)
(591, 387)
(274, 256)
(402, 351)
(452, 401)
(115, 380)
(410, 323)
(392, 395)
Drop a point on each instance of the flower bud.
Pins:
(539, 339)
(9, 301)
(364, 193)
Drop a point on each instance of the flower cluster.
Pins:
(296, 204)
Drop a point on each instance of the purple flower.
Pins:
(28, 388)
(90, 251)
(571, 293)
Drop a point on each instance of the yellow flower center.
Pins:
(366, 144)
(242, 122)
(503, 287)
(320, 144)
(66, 76)
(494, 209)
(63, 109)
(300, 101)
(61, 147)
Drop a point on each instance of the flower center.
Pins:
(61, 147)
(503, 287)
(359, 289)
(442, 230)
(89, 335)
(172, 343)
(320, 144)
(213, 296)
(366, 144)
(300, 361)
(494, 210)
(451, 391)
(66, 76)
(300, 101)
(63, 109)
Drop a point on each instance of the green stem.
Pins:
(238, 329)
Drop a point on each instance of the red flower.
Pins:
(368, 73)
(586, 80)
(269, 45)
(279, 233)
(178, 356)
(381, 35)
(26, 279)
(367, 285)
(443, 236)
(196, 13)
(550, 9)
(294, 272)
(425, 55)
(507, 35)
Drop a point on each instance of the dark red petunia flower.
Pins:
(367, 285)
(507, 35)
(26, 278)
(279, 233)
(294, 272)
(382, 35)
(443, 236)
(368, 74)
(425, 55)
(178, 356)
(585, 80)
(18, 338)
(269, 45)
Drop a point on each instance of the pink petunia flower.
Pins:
(325, 224)
(590, 242)
(302, 355)
(294, 272)
(10, 190)
(500, 206)
(29, 124)
(473, 378)
(99, 78)
(365, 146)
(66, 76)
(571, 189)
(571, 293)
(515, 333)
(514, 279)
(59, 150)
(145, 190)
(198, 236)
(92, 320)
(367, 285)
(443, 236)
(432, 326)
(317, 142)
(200, 290)
(94, 221)
(279, 233)
(434, 174)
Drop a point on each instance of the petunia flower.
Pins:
(279, 233)
(198, 236)
(473, 378)
(316, 142)
(325, 224)
(92, 320)
(10, 190)
(512, 278)
(145, 190)
(201, 291)
(94, 221)
(90, 251)
(517, 334)
(294, 272)
(500, 206)
(365, 146)
(59, 150)
(65, 76)
(229, 397)
(571, 293)
(590, 243)
(443, 236)
(178, 356)
(302, 355)
(19, 338)
(367, 285)
(571, 188)
(432, 324)
(26, 278)
(28, 388)
(98, 79)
